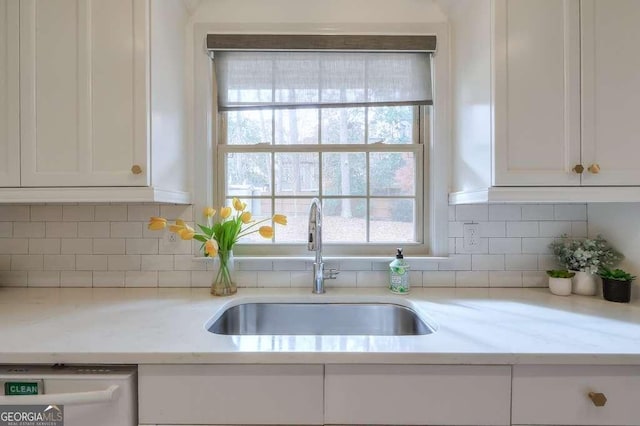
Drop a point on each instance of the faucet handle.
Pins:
(332, 274)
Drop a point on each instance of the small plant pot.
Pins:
(616, 290)
(560, 286)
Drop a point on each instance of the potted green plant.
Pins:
(616, 284)
(560, 281)
(585, 256)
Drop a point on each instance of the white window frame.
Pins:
(437, 154)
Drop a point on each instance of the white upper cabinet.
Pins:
(9, 94)
(610, 92)
(93, 101)
(536, 92)
(563, 101)
(83, 85)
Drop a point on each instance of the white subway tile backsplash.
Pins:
(93, 229)
(5, 262)
(14, 213)
(90, 262)
(142, 212)
(76, 246)
(472, 212)
(110, 245)
(108, 279)
(521, 262)
(111, 213)
(127, 230)
(505, 245)
(438, 279)
(82, 213)
(27, 262)
(174, 279)
(472, 279)
(43, 279)
(487, 262)
(59, 262)
(124, 262)
(156, 262)
(505, 212)
(537, 212)
(6, 229)
(44, 246)
(46, 213)
(76, 278)
(535, 279)
(536, 245)
(570, 212)
(141, 279)
(522, 229)
(505, 279)
(555, 228)
(28, 230)
(61, 229)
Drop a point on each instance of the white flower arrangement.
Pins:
(586, 255)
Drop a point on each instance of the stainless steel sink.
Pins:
(378, 319)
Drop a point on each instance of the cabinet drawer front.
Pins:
(230, 394)
(559, 395)
(417, 394)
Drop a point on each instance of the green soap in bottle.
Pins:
(399, 274)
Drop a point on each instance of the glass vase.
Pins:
(223, 283)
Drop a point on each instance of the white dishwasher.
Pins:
(63, 395)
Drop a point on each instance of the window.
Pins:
(347, 127)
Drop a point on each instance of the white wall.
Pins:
(470, 23)
(620, 224)
(330, 11)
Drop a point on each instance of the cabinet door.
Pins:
(610, 87)
(83, 85)
(417, 394)
(9, 93)
(536, 92)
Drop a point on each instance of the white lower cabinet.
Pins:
(562, 395)
(230, 394)
(417, 394)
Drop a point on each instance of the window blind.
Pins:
(313, 79)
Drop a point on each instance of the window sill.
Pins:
(434, 259)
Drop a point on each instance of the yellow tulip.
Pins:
(280, 219)
(209, 212)
(187, 233)
(225, 212)
(266, 231)
(157, 223)
(211, 248)
(238, 205)
(179, 226)
(245, 217)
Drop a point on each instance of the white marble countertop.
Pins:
(474, 326)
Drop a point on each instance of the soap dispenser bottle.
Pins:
(399, 274)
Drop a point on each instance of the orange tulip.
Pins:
(238, 205)
(280, 219)
(266, 231)
(187, 233)
(157, 223)
(211, 248)
(225, 212)
(245, 217)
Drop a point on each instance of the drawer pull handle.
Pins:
(136, 169)
(598, 399)
(578, 168)
(594, 168)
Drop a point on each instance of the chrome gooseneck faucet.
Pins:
(315, 244)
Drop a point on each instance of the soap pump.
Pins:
(399, 274)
